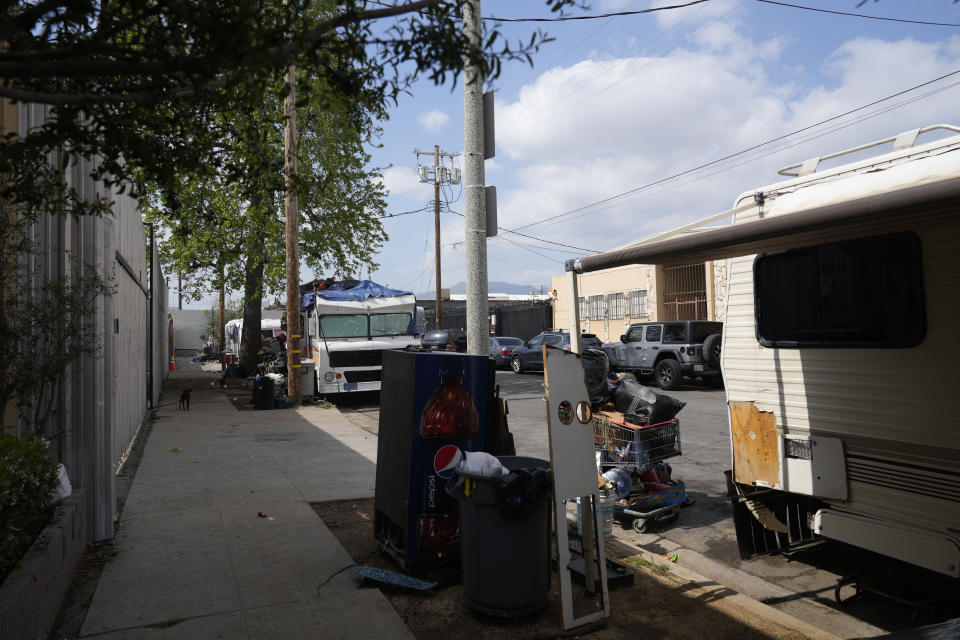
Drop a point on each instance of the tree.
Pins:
(134, 81)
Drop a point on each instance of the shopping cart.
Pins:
(639, 447)
(629, 445)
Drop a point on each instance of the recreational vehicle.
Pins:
(348, 330)
(842, 327)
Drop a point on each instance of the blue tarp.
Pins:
(363, 290)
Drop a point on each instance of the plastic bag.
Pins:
(632, 398)
(63, 488)
(481, 463)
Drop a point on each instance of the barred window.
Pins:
(638, 303)
(584, 308)
(615, 306)
(597, 307)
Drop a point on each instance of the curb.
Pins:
(732, 597)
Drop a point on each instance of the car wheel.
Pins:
(668, 374)
(516, 365)
(711, 350)
(639, 525)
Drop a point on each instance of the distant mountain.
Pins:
(493, 287)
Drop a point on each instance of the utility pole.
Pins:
(223, 296)
(293, 240)
(436, 226)
(478, 314)
(438, 175)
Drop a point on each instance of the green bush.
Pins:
(27, 476)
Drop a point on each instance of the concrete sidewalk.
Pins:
(194, 558)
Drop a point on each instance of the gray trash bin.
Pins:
(505, 557)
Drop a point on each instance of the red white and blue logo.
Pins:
(446, 460)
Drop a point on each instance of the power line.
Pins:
(530, 250)
(597, 16)
(733, 155)
(858, 15)
(517, 233)
(404, 213)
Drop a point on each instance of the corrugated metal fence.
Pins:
(103, 398)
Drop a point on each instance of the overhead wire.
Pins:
(500, 228)
(744, 151)
(859, 15)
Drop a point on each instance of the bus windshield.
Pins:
(389, 324)
(344, 326)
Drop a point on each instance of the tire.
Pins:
(711, 350)
(639, 525)
(668, 375)
(516, 365)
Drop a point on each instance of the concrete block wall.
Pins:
(31, 596)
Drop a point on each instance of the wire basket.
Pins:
(626, 445)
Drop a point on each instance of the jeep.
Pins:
(669, 350)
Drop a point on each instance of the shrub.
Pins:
(27, 476)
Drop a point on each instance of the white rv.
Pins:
(348, 330)
(842, 328)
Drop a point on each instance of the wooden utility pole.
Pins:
(223, 296)
(294, 379)
(436, 225)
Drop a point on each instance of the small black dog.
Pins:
(185, 399)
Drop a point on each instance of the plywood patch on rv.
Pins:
(756, 445)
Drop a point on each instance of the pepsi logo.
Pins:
(446, 460)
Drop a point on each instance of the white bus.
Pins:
(347, 331)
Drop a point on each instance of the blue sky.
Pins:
(612, 105)
(615, 104)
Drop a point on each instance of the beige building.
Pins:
(612, 299)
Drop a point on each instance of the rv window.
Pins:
(389, 324)
(861, 293)
(346, 326)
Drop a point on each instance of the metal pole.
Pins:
(573, 311)
(180, 290)
(293, 239)
(223, 296)
(150, 324)
(436, 226)
(478, 313)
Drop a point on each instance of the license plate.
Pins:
(349, 386)
(698, 367)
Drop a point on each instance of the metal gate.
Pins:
(523, 322)
(685, 292)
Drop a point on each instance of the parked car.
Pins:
(502, 348)
(445, 340)
(530, 354)
(669, 351)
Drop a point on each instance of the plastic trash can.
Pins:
(505, 556)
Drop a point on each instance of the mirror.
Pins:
(623, 338)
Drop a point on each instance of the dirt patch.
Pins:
(660, 604)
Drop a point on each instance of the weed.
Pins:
(640, 561)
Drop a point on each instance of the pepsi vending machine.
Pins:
(433, 408)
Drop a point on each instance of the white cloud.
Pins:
(403, 181)
(653, 118)
(433, 120)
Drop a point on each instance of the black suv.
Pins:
(669, 350)
(445, 340)
(530, 354)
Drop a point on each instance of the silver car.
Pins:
(502, 348)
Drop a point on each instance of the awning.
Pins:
(842, 220)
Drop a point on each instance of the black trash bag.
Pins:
(521, 490)
(642, 405)
(596, 366)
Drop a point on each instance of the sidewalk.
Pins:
(194, 558)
